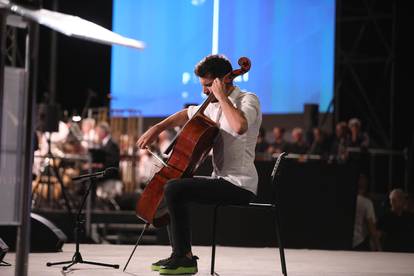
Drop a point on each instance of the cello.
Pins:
(188, 149)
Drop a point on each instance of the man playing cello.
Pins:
(234, 179)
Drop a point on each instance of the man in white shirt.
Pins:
(234, 179)
(365, 233)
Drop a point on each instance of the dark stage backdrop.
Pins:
(82, 66)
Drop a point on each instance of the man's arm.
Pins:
(177, 119)
(372, 227)
(375, 235)
(235, 117)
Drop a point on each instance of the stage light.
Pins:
(76, 118)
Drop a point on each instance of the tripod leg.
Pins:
(77, 258)
(102, 264)
(136, 244)
(58, 263)
(66, 267)
(56, 171)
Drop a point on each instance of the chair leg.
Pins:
(213, 242)
(279, 240)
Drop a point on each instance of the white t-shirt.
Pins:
(233, 154)
(364, 212)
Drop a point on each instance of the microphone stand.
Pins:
(77, 257)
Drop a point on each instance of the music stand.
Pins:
(77, 257)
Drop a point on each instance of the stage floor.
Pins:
(231, 261)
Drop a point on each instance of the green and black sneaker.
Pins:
(157, 266)
(179, 266)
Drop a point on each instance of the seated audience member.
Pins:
(319, 143)
(298, 144)
(261, 145)
(278, 144)
(397, 226)
(365, 233)
(357, 137)
(410, 203)
(340, 142)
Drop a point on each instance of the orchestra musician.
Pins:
(234, 179)
(106, 155)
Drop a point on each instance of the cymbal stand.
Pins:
(51, 165)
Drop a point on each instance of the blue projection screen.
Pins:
(290, 44)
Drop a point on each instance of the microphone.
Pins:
(110, 172)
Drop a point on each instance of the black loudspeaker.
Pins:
(311, 116)
(48, 117)
(44, 235)
(3, 250)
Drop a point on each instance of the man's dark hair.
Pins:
(213, 66)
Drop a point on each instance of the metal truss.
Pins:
(15, 42)
(365, 65)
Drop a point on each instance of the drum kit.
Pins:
(52, 185)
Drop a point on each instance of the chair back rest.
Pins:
(276, 172)
(276, 168)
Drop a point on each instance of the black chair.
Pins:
(273, 206)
